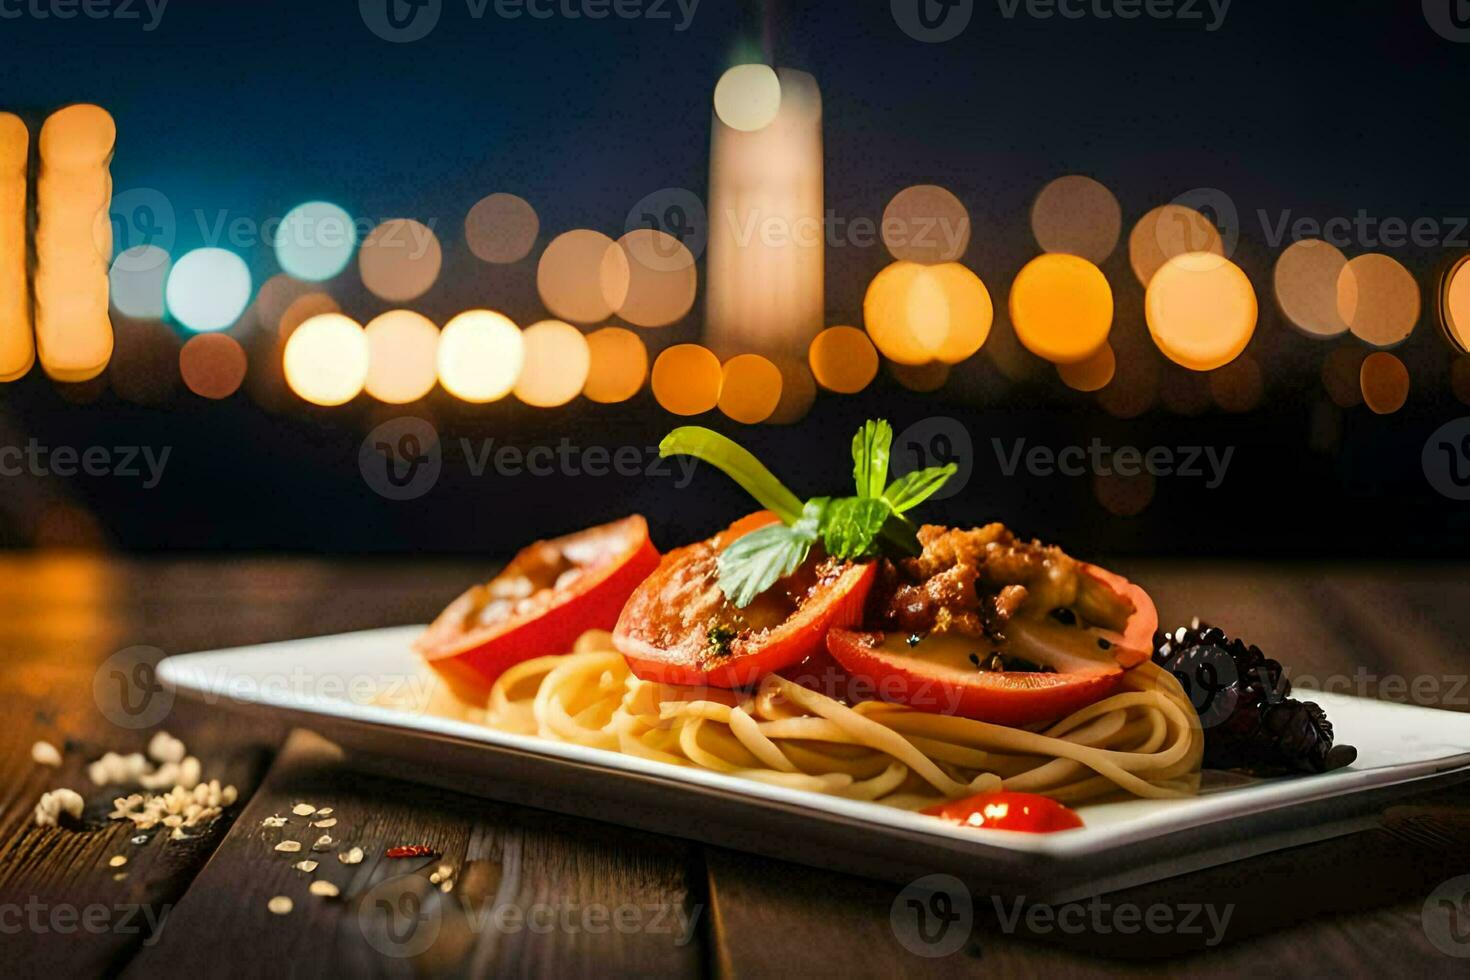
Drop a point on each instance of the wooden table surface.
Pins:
(541, 894)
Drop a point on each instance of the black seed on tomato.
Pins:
(1104, 644)
(975, 659)
(914, 639)
(1064, 616)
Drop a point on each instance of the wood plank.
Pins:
(534, 893)
(62, 617)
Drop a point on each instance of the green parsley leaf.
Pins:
(852, 526)
(870, 448)
(758, 560)
(912, 489)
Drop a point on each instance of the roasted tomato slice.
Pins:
(1023, 812)
(1048, 668)
(551, 593)
(678, 627)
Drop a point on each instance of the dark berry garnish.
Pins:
(1245, 706)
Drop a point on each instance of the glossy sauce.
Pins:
(1026, 813)
(1041, 641)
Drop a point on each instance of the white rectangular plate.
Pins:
(337, 686)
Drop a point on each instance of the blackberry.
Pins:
(1245, 706)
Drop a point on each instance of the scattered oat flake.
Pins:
(323, 843)
(353, 856)
(119, 876)
(45, 754)
(446, 870)
(274, 821)
(117, 861)
(325, 811)
(330, 822)
(280, 905)
(307, 866)
(446, 886)
(324, 888)
(289, 846)
(303, 809)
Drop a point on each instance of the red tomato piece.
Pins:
(678, 627)
(1003, 698)
(548, 595)
(1024, 812)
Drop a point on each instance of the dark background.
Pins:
(1316, 106)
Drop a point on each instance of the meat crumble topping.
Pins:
(970, 582)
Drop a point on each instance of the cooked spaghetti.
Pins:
(1143, 741)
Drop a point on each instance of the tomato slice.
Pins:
(548, 595)
(1023, 812)
(943, 673)
(678, 627)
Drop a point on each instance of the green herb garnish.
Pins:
(867, 525)
(720, 638)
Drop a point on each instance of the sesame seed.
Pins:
(45, 754)
(324, 888)
(274, 821)
(323, 843)
(329, 822)
(307, 866)
(280, 905)
(117, 861)
(353, 856)
(289, 846)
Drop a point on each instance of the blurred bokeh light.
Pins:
(208, 289)
(1076, 215)
(1165, 232)
(750, 388)
(400, 260)
(649, 278)
(618, 365)
(403, 349)
(212, 365)
(843, 360)
(926, 224)
(557, 364)
(1385, 383)
(480, 356)
(748, 97)
(582, 276)
(1201, 310)
(1091, 374)
(1061, 307)
(137, 282)
(1378, 299)
(326, 359)
(315, 241)
(501, 228)
(1306, 279)
(686, 379)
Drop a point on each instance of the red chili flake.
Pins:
(410, 851)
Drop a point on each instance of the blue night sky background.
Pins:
(1320, 107)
